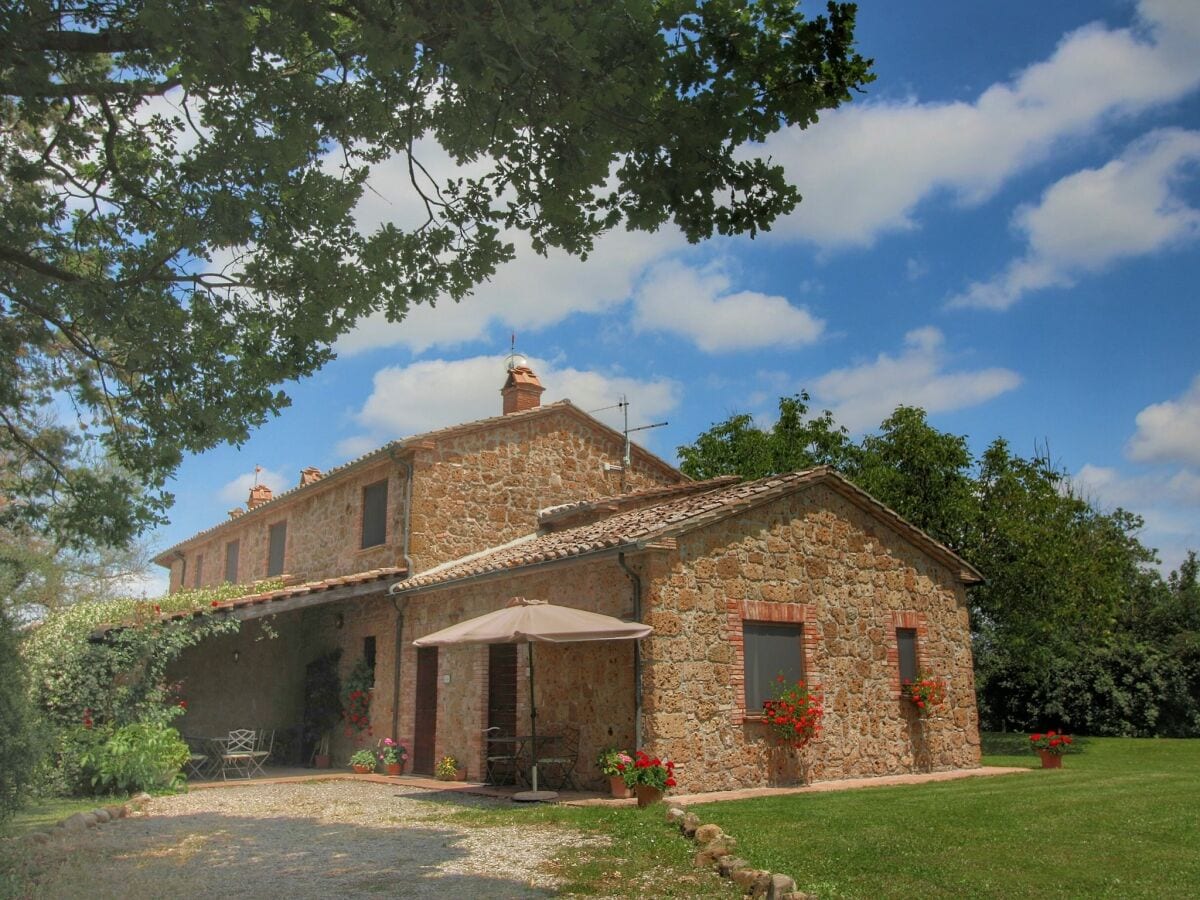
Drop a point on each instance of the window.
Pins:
(906, 645)
(198, 574)
(231, 561)
(278, 540)
(770, 650)
(182, 572)
(374, 514)
(369, 653)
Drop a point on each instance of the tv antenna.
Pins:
(626, 459)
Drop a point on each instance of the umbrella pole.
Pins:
(532, 722)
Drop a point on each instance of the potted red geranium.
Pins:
(924, 692)
(649, 776)
(1050, 747)
(794, 716)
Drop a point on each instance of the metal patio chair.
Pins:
(238, 753)
(501, 763)
(263, 746)
(556, 762)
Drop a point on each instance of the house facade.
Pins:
(800, 574)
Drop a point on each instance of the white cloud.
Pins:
(530, 293)
(1169, 431)
(866, 167)
(698, 304)
(238, 491)
(863, 396)
(1093, 218)
(1166, 503)
(469, 389)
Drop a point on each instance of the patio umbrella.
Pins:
(532, 621)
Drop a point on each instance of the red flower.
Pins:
(216, 603)
(670, 781)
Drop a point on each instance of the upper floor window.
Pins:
(374, 514)
(770, 650)
(198, 575)
(906, 646)
(278, 540)
(231, 561)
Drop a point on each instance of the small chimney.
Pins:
(310, 475)
(521, 390)
(235, 512)
(259, 494)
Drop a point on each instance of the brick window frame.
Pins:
(741, 611)
(915, 621)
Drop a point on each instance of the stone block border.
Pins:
(81, 821)
(716, 851)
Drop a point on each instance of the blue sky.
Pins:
(1002, 230)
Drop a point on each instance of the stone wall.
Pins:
(587, 684)
(263, 687)
(484, 487)
(243, 680)
(472, 489)
(813, 558)
(324, 533)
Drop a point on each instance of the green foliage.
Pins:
(739, 447)
(322, 701)
(446, 769)
(97, 684)
(120, 675)
(178, 231)
(18, 753)
(142, 756)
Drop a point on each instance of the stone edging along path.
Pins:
(81, 821)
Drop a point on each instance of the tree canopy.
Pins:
(178, 183)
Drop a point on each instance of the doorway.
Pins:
(425, 710)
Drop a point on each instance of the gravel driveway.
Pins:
(314, 839)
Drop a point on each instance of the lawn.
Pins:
(1121, 819)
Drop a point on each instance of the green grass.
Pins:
(646, 857)
(1120, 819)
(41, 815)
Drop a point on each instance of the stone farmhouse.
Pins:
(801, 574)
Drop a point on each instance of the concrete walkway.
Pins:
(594, 798)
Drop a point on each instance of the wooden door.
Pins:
(425, 738)
(502, 689)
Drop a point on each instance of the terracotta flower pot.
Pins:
(394, 768)
(647, 795)
(1050, 760)
(620, 790)
(321, 761)
(460, 774)
(364, 770)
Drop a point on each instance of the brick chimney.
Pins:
(236, 511)
(259, 494)
(310, 475)
(521, 390)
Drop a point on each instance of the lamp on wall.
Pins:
(237, 654)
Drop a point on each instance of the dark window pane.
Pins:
(770, 651)
(906, 643)
(374, 518)
(198, 575)
(231, 561)
(369, 653)
(278, 540)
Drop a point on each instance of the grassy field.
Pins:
(1121, 819)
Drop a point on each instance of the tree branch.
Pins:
(90, 41)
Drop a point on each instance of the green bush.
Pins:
(144, 756)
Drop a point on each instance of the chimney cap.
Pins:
(259, 494)
(310, 474)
